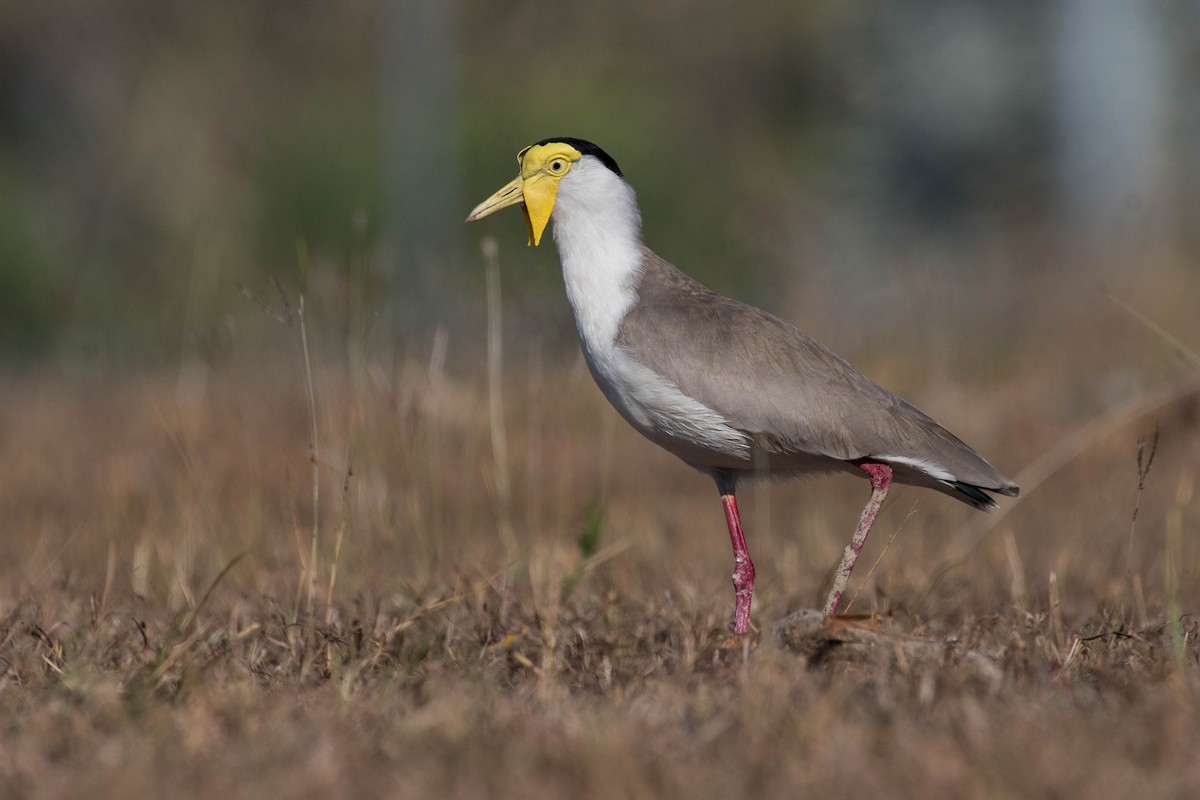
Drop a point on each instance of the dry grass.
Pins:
(156, 639)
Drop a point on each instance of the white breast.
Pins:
(597, 229)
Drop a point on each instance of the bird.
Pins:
(730, 389)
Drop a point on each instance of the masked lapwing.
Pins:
(733, 391)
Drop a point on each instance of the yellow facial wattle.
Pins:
(535, 188)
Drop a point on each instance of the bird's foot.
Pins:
(727, 651)
(734, 649)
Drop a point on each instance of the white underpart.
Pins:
(598, 231)
(930, 468)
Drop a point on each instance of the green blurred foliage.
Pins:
(156, 155)
(26, 303)
(318, 180)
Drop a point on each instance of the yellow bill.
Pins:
(536, 188)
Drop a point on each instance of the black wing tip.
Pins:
(976, 496)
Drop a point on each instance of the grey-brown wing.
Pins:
(773, 381)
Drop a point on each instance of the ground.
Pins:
(545, 613)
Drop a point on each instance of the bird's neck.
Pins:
(598, 232)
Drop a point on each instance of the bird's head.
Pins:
(543, 166)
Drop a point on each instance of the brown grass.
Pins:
(155, 638)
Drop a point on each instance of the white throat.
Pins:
(598, 232)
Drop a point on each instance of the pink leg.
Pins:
(743, 567)
(881, 479)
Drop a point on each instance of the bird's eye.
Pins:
(556, 166)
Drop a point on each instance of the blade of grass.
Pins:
(337, 546)
(1172, 341)
(314, 457)
(495, 362)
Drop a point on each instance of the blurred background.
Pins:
(990, 208)
(417, 512)
(996, 162)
